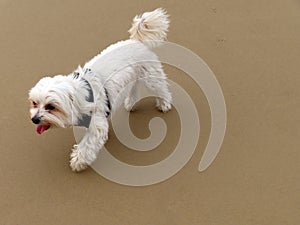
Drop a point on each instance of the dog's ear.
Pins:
(32, 103)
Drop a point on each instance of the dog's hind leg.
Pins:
(155, 81)
(132, 97)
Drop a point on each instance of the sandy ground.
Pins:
(253, 47)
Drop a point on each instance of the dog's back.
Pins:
(147, 31)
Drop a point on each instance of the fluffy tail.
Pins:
(150, 27)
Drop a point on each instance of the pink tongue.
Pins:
(41, 128)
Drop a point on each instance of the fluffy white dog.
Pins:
(88, 96)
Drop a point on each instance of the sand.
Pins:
(253, 48)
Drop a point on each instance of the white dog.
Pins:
(87, 96)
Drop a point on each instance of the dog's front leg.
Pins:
(87, 150)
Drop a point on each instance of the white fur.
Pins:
(121, 65)
(150, 26)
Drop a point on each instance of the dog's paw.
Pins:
(77, 163)
(164, 106)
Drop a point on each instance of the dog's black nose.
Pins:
(35, 120)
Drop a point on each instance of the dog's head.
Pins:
(51, 103)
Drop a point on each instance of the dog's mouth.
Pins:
(41, 128)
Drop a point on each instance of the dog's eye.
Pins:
(34, 103)
(49, 107)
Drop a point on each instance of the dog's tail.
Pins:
(150, 27)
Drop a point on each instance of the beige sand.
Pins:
(254, 49)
